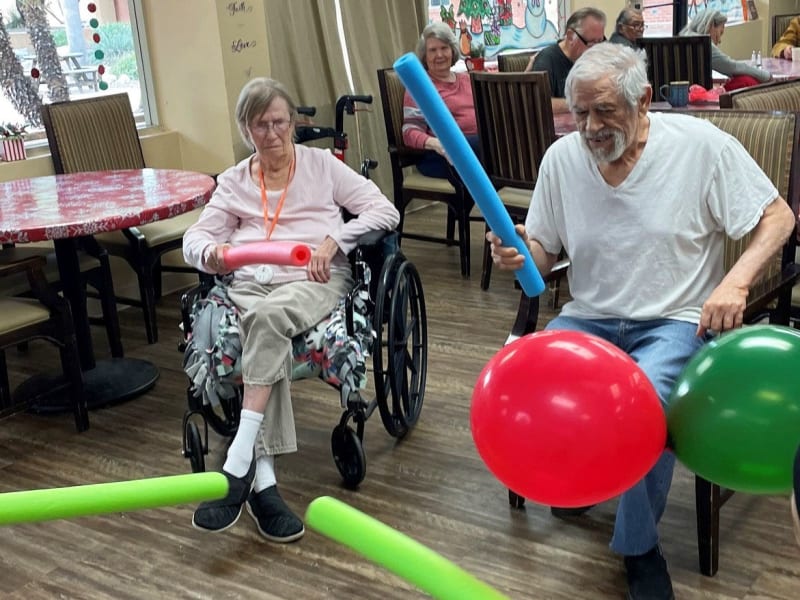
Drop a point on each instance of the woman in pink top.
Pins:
(289, 192)
(437, 50)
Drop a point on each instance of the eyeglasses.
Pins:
(586, 43)
(279, 126)
(637, 25)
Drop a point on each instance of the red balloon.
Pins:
(566, 419)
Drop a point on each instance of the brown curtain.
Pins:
(377, 33)
(306, 55)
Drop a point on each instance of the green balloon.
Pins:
(734, 413)
(93, 23)
(103, 85)
(99, 54)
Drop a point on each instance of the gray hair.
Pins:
(256, 97)
(625, 16)
(443, 33)
(577, 18)
(626, 67)
(703, 22)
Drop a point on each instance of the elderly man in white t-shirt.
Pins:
(645, 229)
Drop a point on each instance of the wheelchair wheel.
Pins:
(193, 447)
(224, 419)
(400, 363)
(348, 454)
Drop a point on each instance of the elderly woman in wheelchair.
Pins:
(282, 192)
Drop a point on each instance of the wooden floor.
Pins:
(431, 486)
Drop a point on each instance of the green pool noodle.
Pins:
(102, 498)
(414, 562)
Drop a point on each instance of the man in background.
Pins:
(585, 28)
(630, 27)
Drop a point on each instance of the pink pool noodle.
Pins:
(267, 253)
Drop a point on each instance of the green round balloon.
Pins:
(99, 54)
(734, 413)
(103, 85)
(93, 23)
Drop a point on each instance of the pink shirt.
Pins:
(457, 97)
(321, 187)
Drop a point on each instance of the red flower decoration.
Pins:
(35, 73)
(91, 7)
(96, 38)
(101, 69)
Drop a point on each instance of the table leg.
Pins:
(106, 382)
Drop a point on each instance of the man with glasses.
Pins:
(630, 27)
(585, 28)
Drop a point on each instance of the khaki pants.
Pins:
(271, 315)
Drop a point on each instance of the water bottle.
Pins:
(758, 58)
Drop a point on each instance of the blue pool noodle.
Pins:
(469, 168)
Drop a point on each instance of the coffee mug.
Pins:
(474, 63)
(677, 93)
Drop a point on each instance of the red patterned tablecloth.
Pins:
(66, 206)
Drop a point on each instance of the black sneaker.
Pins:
(648, 578)
(219, 515)
(564, 513)
(274, 520)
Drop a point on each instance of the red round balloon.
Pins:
(566, 419)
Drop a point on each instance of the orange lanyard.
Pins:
(270, 226)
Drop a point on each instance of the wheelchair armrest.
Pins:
(372, 238)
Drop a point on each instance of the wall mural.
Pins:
(500, 25)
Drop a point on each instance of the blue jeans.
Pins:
(661, 348)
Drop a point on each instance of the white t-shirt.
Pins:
(652, 247)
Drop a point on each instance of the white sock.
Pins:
(240, 454)
(265, 473)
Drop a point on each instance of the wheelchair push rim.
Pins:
(400, 354)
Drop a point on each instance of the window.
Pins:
(663, 18)
(98, 47)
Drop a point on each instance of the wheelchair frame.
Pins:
(399, 348)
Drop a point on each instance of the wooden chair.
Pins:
(771, 139)
(779, 25)
(47, 316)
(408, 183)
(97, 134)
(677, 58)
(514, 63)
(515, 127)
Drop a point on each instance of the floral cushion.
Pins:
(211, 359)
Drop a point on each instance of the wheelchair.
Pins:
(393, 306)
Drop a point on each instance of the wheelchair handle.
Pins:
(309, 111)
(346, 104)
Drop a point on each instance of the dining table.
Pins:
(70, 208)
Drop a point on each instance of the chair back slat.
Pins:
(677, 58)
(515, 124)
(93, 134)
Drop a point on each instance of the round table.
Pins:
(67, 208)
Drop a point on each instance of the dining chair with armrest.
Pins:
(771, 139)
(46, 316)
(781, 95)
(516, 62)
(677, 58)
(515, 128)
(409, 184)
(97, 134)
